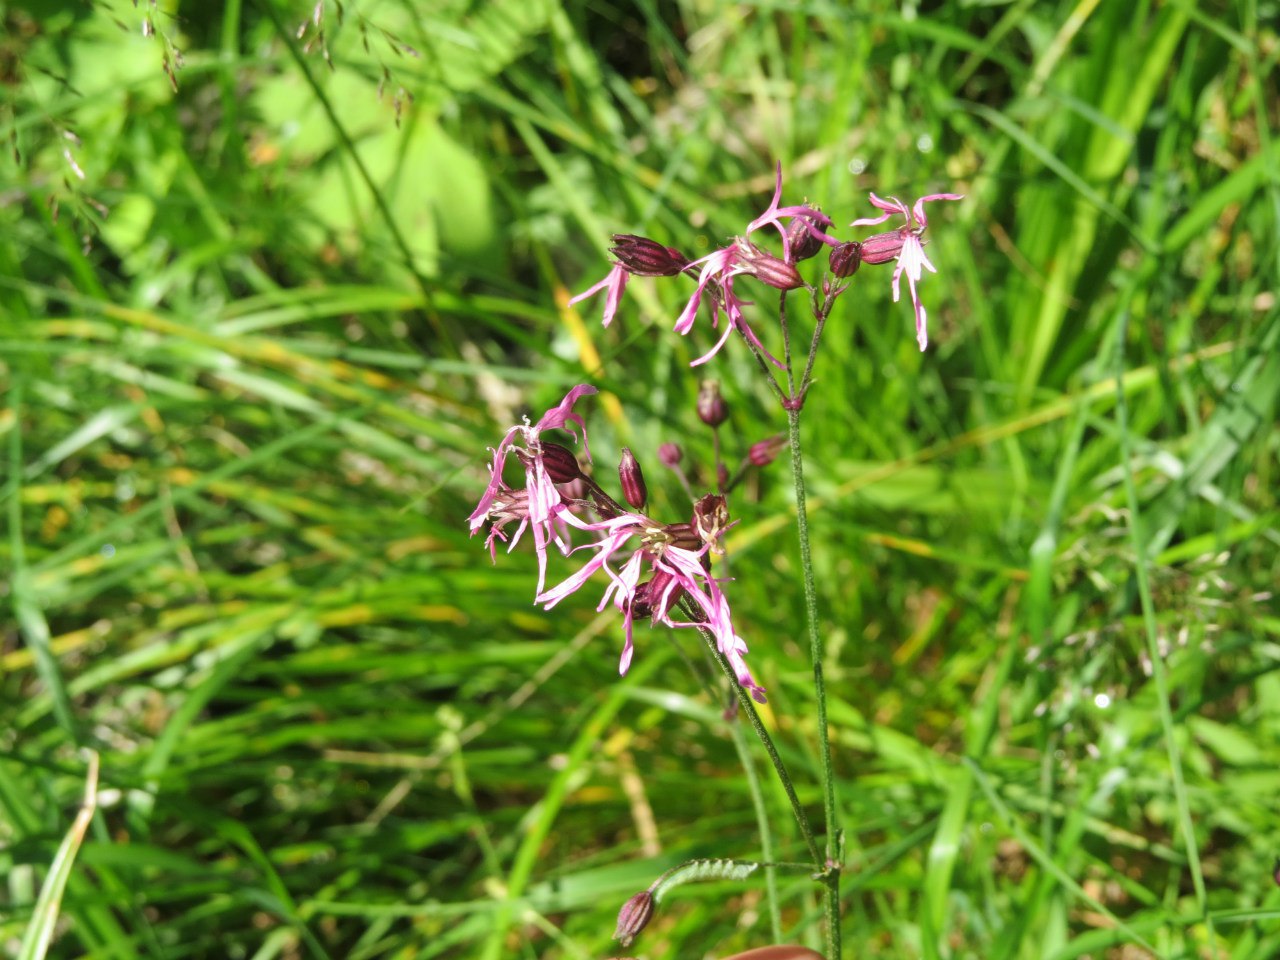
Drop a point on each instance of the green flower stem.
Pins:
(831, 874)
(766, 832)
(819, 689)
(740, 744)
(749, 708)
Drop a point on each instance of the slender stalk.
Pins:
(793, 401)
(766, 833)
(740, 744)
(832, 872)
(749, 708)
(819, 689)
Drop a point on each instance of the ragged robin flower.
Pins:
(539, 505)
(666, 562)
(800, 228)
(905, 246)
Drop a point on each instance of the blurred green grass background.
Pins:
(272, 277)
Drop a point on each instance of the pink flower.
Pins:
(674, 570)
(616, 281)
(774, 215)
(719, 268)
(904, 246)
(634, 257)
(539, 506)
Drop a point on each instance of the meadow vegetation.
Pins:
(273, 275)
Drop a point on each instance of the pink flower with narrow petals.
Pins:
(539, 506)
(719, 268)
(674, 570)
(633, 257)
(616, 281)
(905, 246)
(774, 215)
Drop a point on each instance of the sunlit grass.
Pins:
(252, 359)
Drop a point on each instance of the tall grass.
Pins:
(257, 331)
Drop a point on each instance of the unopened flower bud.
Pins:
(648, 600)
(764, 452)
(800, 239)
(642, 257)
(712, 410)
(883, 247)
(722, 475)
(670, 455)
(562, 465)
(765, 267)
(634, 917)
(634, 490)
(710, 517)
(845, 259)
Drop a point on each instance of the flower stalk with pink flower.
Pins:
(652, 568)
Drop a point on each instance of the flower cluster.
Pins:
(651, 566)
(803, 233)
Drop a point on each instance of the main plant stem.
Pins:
(792, 399)
(831, 871)
(793, 405)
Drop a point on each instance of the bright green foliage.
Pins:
(267, 293)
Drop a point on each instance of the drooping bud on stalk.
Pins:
(845, 259)
(722, 475)
(631, 476)
(562, 465)
(642, 257)
(712, 410)
(710, 517)
(800, 239)
(634, 917)
(764, 452)
(669, 455)
(884, 247)
(765, 267)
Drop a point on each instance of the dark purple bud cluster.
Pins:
(713, 410)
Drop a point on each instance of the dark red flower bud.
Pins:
(562, 465)
(642, 257)
(648, 599)
(800, 239)
(670, 455)
(764, 452)
(883, 247)
(712, 410)
(845, 259)
(710, 517)
(634, 917)
(765, 267)
(634, 490)
(722, 475)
